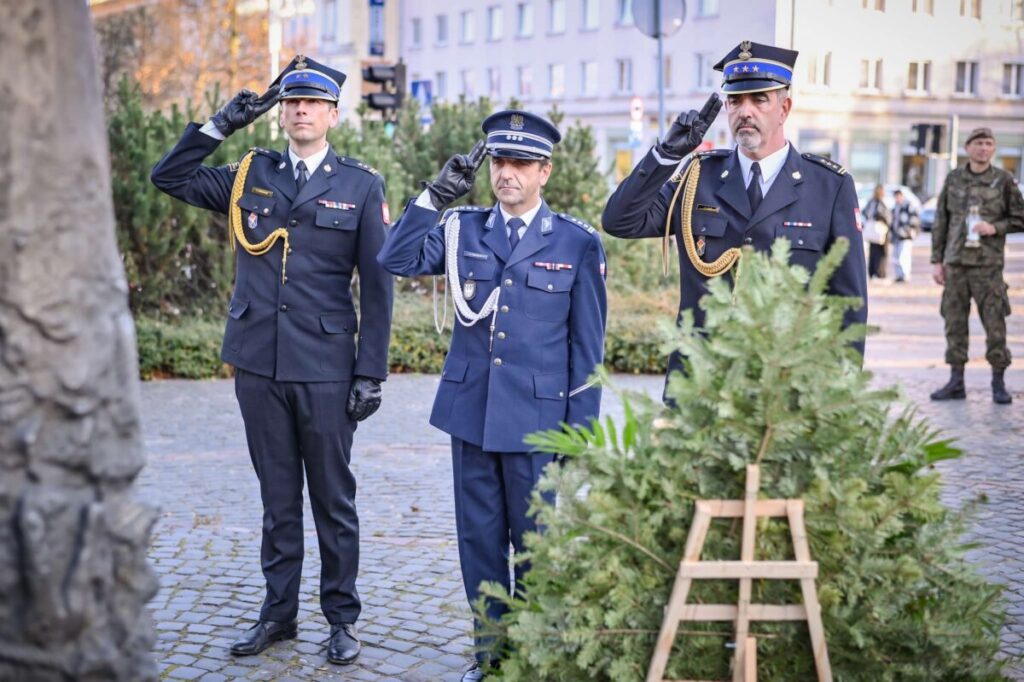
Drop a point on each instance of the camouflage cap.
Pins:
(980, 133)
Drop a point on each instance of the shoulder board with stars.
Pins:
(470, 208)
(827, 163)
(266, 152)
(577, 222)
(356, 163)
(461, 209)
(714, 153)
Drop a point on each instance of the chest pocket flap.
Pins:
(476, 269)
(803, 238)
(708, 226)
(336, 219)
(256, 204)
(550, 280)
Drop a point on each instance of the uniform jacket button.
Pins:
(293, 222)
(800, 241)
(266, 211)
(501, 336)
(551, 287)
(508, 282)
(561, 394)
(504, 308)
(337, 222)
(284, 307)
(497, 362)
(748, 240)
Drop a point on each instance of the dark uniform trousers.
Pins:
(811, 203)
(292, 337)
(528, 373)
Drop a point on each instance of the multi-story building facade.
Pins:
(868, 70)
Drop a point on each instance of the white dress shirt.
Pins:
(770, 167)
(313, 161)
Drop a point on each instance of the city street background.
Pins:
(415, 620)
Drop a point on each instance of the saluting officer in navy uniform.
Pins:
(306, 369)
(528, 286)
(752, 194)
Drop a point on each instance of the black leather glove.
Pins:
(243, 109)
(688, 129)
(456, 177)
(363, 398)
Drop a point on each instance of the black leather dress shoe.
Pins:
(262, 635)
(344, 646)
(474, 674)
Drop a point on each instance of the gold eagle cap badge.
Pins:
(516, 122)
(745, 50)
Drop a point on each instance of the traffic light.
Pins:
(938, 139)
(921, 139)
(391, 78)
(929, 138)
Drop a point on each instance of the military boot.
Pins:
(999, 393)
(954, 388)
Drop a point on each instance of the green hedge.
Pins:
(189, 348)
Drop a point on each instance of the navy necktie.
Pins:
(513, 231)
(300, 175)
(754, 188)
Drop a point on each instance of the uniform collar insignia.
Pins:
(545, 225)
(490, 220)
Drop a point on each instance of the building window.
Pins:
(922, 6)
(1013, 85)
(468, 27)
(556, 16)
(416, 39)
(524, 20)
(466, 81)
(967, 78)
(442, 29)
(329, 25)
(591, 19)
(624, 76)
(441, 85)
(970, 8)
(871, 74)
(556, 80)
(707, 8)
(919, 77)
(495, 28)
(494, 82)
(588, 79)
(624, 15)
(705, 73)
(819, 69)
(524, 78)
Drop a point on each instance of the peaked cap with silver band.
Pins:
(304, 78)
(752, 67)
(520, 135)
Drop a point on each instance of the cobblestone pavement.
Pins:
(415, 622)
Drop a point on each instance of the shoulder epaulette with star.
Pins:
(470, 208)
(711, 153)
(577, 222)
(827, 163)
(266, 152)
(356, 163)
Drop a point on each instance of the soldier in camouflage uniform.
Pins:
(976, 272)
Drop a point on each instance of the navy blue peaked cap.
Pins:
(752, 67)
(519, 134)
(304, 78)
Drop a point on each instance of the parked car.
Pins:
(928, 214)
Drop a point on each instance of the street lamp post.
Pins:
(659, 19)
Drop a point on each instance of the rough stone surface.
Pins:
(73, 536)
(415, 619)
